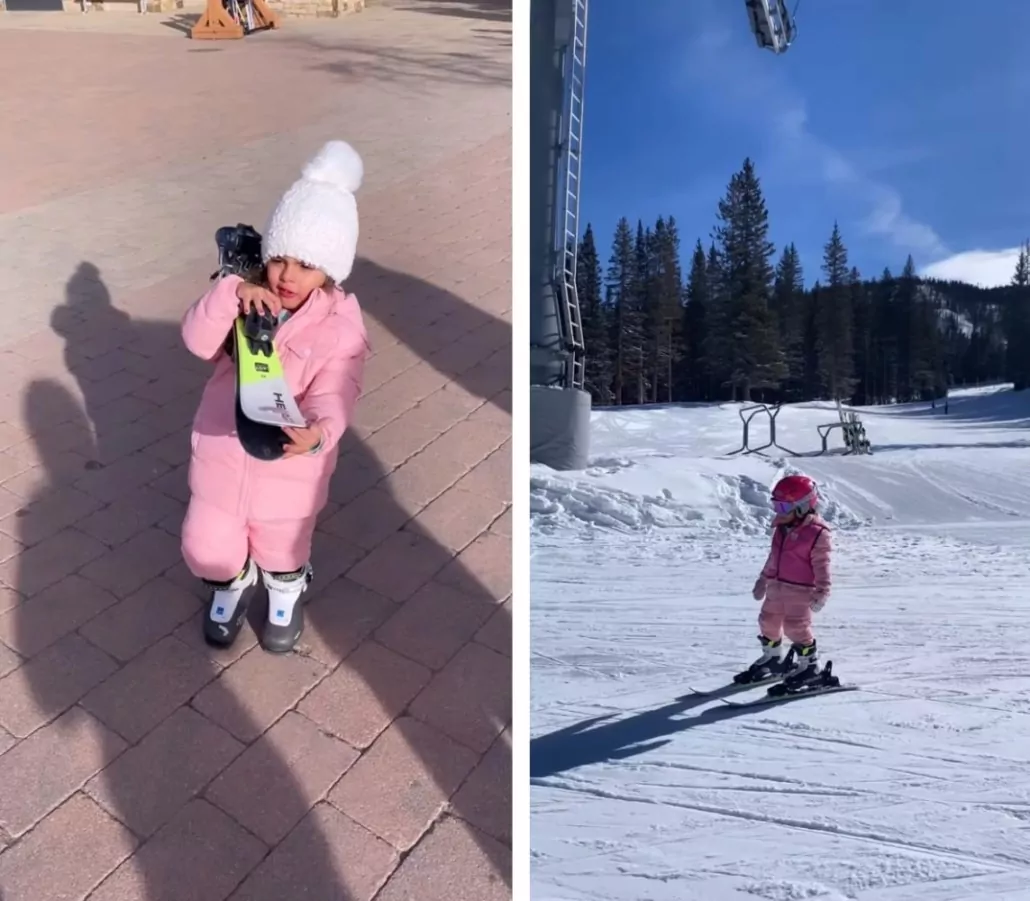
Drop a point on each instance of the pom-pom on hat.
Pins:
(316, 221)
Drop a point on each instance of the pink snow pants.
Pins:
(216, 544)
(787, 611)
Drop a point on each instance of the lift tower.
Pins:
(559, 412)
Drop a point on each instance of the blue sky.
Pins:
(908, 121)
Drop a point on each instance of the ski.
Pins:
(263, 393)
(733, 688)
(792, 696)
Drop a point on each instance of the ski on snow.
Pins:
(733, 688)
(776, 691)
(791, 695)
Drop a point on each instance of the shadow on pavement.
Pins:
(180, 743)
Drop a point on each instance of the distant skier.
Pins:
(794, 583)
(249, 517)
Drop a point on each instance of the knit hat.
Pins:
(316, 221)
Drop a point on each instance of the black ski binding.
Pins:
(818, 681)
(259, 329)
(756, 674)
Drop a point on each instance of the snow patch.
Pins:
(792, 891)
(914, 787)
(555, 503)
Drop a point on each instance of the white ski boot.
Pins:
(285, 610)
(770, 664)
(227, 609)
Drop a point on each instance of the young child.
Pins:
(794, 583)
(247, 515)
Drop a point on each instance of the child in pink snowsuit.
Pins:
(795, 581)
(246, 515)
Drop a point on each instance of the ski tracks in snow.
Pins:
(916, 784)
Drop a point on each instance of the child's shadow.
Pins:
(172, 726)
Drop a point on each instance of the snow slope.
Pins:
(916, 788)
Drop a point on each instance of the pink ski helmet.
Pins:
(794, 495)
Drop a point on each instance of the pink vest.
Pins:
(790, 559)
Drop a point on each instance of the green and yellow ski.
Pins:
(263, 394)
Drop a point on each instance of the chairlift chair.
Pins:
(771, 24)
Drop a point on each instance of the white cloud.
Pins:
(988, 268)
(748, 85)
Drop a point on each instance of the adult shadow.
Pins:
(603, 739)
(180, 743)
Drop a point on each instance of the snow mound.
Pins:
(555, 503)
(737, 502)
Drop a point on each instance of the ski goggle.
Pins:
(784, 507)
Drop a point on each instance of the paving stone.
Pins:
(281, 776)
(151, 781)
(403, 782)
(49, 862)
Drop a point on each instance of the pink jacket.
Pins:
(800, 557)
(322, 347)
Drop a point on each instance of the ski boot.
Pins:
(285, 611)
(227, 609)
(806, 674)
(772, 664)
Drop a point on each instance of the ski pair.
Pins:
(230, 601)
(810, 689)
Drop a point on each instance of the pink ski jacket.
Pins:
(800, 556)
(323, 347)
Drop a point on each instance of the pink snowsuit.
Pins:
(796, 575)
(241, 506)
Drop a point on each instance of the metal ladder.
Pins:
(574, 66)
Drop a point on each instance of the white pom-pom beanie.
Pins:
(316, 221)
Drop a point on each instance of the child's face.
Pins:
(293, 281)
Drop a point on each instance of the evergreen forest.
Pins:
(732, 318)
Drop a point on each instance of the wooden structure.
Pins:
(216, 24)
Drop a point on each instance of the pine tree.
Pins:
(906, 301)
(665, 305)
(596, 327)
(884, 365)
(1017, 325)
(834, 321)
(747, 325)
(623, 318)
(640, 339)
(788, 305)
(716, 348)
(694, 380)
(862, 336)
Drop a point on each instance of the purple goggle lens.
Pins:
(783, 506)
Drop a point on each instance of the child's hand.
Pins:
(818, 602)
(303, 440)
(257, 298)
(758, 592)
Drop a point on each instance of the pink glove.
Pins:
(818, 602)
(758, 592)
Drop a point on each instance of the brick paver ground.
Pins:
(136, 764)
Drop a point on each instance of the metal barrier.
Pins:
(747, 414)
(853, 432)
